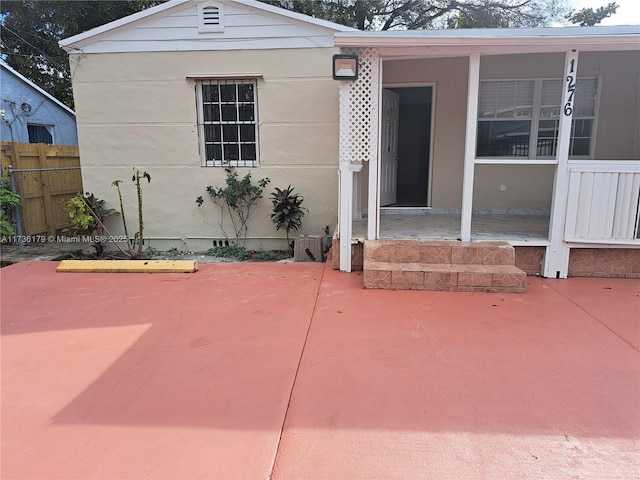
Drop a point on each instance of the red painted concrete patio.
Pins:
(294, 371)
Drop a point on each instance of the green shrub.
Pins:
(287, 211)
(241, 199)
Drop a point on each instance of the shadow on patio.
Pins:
(196, 372)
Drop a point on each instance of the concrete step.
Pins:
(442, 266)
(439, 251)
(444, 277)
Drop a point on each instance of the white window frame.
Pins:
(202, 140)
(535, 119)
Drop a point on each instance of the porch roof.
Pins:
(495, 40)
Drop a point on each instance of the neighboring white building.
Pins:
(31, 115)
(540, 122)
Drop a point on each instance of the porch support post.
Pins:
(346, 208)
(470, 146)
(345, 180)
(556, 261)
(373, 203)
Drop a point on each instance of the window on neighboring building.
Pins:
(520, 118)
(227, 121)
(40, 134)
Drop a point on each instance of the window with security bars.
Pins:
(227, 123)
(521, 118)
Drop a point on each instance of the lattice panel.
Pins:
(359, 109)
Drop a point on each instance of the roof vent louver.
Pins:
(210, 18)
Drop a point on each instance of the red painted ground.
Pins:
(186, 376)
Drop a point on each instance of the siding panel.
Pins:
(245, 28)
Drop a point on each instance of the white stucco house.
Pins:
(30, 114)
(528, 136)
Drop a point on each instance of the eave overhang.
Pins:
(493, 41)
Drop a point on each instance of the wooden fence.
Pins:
(46, 177)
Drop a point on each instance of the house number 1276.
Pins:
(571, 88)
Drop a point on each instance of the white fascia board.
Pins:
(80, 39)
(36, 87)
(607, 38)
(296, 16)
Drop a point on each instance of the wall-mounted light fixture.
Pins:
(345, 67)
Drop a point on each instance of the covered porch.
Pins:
(524, 136)
(407, 222)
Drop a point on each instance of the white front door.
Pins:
(389, 154)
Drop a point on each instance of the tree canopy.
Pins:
(427, 14)
(30, 29)
(588, 17)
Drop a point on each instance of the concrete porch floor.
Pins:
(515, 229)
(294, 371)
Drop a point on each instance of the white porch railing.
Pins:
(604, 202)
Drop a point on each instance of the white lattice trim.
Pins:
(359, 109)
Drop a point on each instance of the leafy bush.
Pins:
(87, 215)
(268, 255)
(240, 197)
(229, 251)
(8, 201)
(287, 211)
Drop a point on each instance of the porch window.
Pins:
(582, 122)
(520, 118)
(227, 122)
(505, 110)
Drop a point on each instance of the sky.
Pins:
(628, 13)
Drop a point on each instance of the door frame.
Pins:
(433, 86)
(389, 145)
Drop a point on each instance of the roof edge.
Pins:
(492, 36)
(69, 43)
(3, 64)
(296, 16)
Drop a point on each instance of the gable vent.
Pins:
(210, 18)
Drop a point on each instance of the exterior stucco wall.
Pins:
(15, 93)
(619, 116)
(139, 110)
(527, 186)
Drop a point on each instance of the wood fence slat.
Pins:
(44, 193)
(45, 188)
